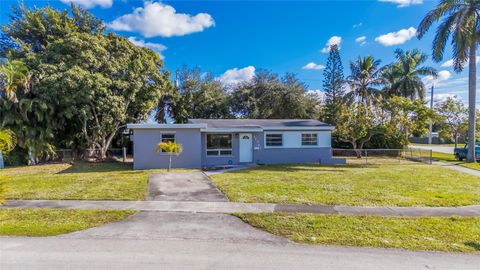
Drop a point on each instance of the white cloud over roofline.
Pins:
(156, 19)
(397, 38)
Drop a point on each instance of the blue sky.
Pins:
(232, 39)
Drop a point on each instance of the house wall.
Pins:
(145, 141)
(292, 151)
(194, 149)
(209, 161)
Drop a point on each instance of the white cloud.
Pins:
(443, 75)
(449, 63)
(335, 40)
(403, 3)
(357, 25)
(159, 48)
(316, 93)
(90, 3)
(314, 66)
(442, 97)
(361, 40)
(159, 19)
(237, 75)
(396, 38)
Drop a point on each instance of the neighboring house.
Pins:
(219, 142)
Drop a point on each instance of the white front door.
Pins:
(246, 148)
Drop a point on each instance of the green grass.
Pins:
(441, 234)
(374, 185)
(82, 181)
(450, 158)
(47, 222)
(438, 145)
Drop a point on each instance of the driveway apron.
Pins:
(183, 186)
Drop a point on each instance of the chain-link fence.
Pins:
(384, 156)
(68, 155)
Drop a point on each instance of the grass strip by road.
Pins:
(440, 234)
(362, 185)
(450, 158)
(81, 181)
(48, 222)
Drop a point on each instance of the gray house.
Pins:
(209, 142)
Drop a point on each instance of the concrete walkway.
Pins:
(457, 168)
(237, 207)
(186, 186)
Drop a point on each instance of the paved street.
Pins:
(154, 240)
(435, 148)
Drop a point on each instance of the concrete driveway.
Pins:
(179, 226)
(183, 186)
(153, 240)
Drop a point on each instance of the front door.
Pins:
(246, 148)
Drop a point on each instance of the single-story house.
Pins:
(219, 142)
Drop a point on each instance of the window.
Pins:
(167, 138)
(309, 139)
(274, 139)
(219, 144)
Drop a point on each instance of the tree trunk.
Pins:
(31, 157)
(357, 151)
(1, 161)
(169, 162)
(472, 88)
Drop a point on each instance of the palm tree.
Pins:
(15, 75)
(461, 22)
(365, 75)
(8, 140)
(171, 148)
(403, 78)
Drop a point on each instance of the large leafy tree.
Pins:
(98, 83)
(363, 80)
(404, 77)
(86, 84)
(333, 86)
(268, 96)
(398, 113)
(197, 95)
(356, 125)
(460, 22)
(453, 117)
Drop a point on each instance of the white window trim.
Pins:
(285, 144)
(161, 140)
(308, 145)
(218, 156)
(270, 146)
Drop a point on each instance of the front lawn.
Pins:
(46, 222)
(82, 181)
(442, 234)
(412, 184)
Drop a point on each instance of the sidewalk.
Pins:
(238, 207)
(457, 168)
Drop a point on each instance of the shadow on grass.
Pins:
(90, 167)
(305, 168)
(473, 244)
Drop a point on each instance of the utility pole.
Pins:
(431, 108)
